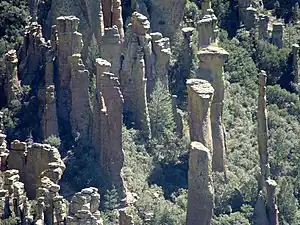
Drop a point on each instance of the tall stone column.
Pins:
(295, 52)
(272, 208)
(200, 95)
(251, 19)
(67, 35)
(11, 81)
(102, 66)
(133, 73)
(49, 118)
(200, 187)
(212, 60)
(111, 48)
(263, 27)
(162, 53)
(277, 34)
(112, 14)
(81, 113)
(207, 30)
(205, 5)
(111, 152)
(263, 129)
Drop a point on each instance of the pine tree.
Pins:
(160, 111)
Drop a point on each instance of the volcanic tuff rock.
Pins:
(201, 193)
(212, 60)
(200, 94)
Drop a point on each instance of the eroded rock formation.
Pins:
(263, 23)
(133, 73)
(277, 34)
(263, 129)
(11, 81)
(110, 99)
(124, 218)
(165, 16)
(200, 188)
(212, 60)
(38, 180)
(25, 160)
(112, 14)
(84, 208)
(73, 97)
(200, 95)
(295, 52)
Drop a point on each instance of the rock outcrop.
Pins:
(38, 180)
(11, 81)
(25, 160)
(212, 60)
(277, 34)
(263, 129)
(200, 95)
(200, 188)
(84, 208)
(295, 52)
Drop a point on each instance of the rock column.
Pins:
(11, 81)
(49, 119)
(277, 34)
(133, 74)
(111, 48)
(102, 66)
(272, 208)
(162, 53)
(200, 188)
(207, 30)
(212, 60)
(81, 114)
(111, 152)
(200, 95)
(263, 27)
(263, 129)
(295, 52)
(251, 19)
(73, 96)
(112, 14)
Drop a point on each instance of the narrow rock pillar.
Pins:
(272, 208)
(200, 187)
(111, 153)
(11, 81)
(212, 60)
(111, 48)
(263, 27)
(277, 34)
(200, 95)
(295, 52)
(263, 129)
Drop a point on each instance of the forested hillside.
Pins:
(157, 112)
